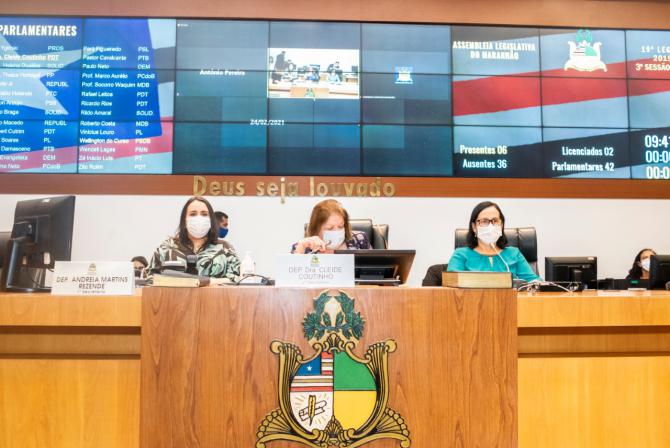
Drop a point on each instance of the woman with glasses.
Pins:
(487, 246)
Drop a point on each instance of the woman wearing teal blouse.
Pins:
(487, 246)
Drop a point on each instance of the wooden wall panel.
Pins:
(209, 378)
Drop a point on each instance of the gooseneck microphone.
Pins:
(495, 249)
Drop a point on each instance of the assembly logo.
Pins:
(333, 398)
(585, 54)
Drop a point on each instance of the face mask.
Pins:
(333, 238)
(198, 226)
(489, 234)
(223, 231)
(645, 263)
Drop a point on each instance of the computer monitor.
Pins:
(572, 269)
(4, 246)
(4, 243)
(381, 266)
(659, 271)
(42, 234)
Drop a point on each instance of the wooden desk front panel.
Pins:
(69, 371)
(209, 378)
(58, 402)
(594, 401)
(594, 370)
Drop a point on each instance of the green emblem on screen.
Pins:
(584, 53)
(333, 398)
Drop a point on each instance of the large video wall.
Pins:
(161, 96)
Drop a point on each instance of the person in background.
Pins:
(312, 75)
(487, 246)
(198, 234)
(291, 71)
(222, 220)
(640, 269)
(139, 266)
(333, 77)
(329, 230)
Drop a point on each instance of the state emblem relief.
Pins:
(333, 398)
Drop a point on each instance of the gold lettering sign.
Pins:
(374, 188)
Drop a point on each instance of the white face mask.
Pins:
(645, 264)
(198, 226)
(489, 234)
(333, 238)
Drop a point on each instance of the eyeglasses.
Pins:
(487, 222)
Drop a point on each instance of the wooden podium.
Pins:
(208, 377)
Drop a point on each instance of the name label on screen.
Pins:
(320, 270)
(87, 278)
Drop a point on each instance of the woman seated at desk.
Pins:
(198, 234)
(329, 230)
(487, 246)
(640, 269)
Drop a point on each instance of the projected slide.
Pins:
(39, 94)
(99, 103)
(313, 73)
(127, 96)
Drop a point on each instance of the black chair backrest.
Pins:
(378, 234)
(525, 238)
(433, 275)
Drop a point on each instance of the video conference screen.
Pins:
(162, 96)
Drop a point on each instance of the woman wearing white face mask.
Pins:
(198, 235)
(487, 246)
(640, 269)
(329, 230)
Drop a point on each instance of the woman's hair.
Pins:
(320, 214)
(182, 232)
(141, 259)
(636, 270)
(472, 236)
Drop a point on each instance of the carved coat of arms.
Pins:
(333, 398)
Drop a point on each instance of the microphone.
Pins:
(493, 245)
(191, 262)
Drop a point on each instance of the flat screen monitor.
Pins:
(41, 234)
(381, 266)
(4, 244)
(572, 269)
(659, 271)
